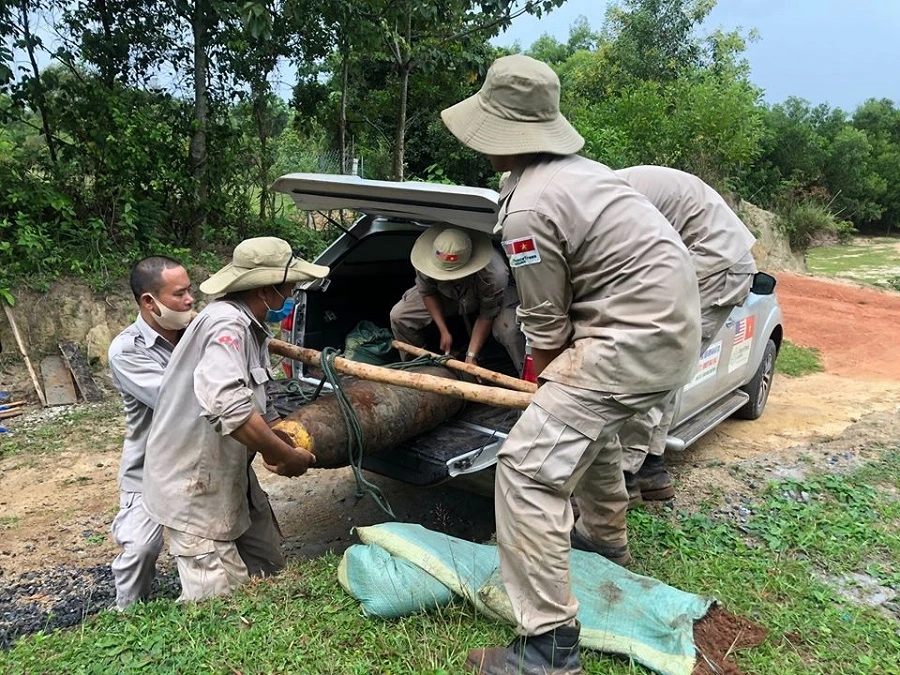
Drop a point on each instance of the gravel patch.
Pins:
(62, 597)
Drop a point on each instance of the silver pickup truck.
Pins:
(370, 270)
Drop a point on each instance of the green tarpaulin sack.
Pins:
(404, 568)
(367, 343)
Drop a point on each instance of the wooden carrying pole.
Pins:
(21, 344)
(468, 368)
(439, 385)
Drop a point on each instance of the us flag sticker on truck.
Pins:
(743, 342)
(521, 252)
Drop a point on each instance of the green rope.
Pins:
(354, 432)
(419, 361)
(351, 420)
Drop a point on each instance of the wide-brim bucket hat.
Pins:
(446, 254)
(516, 112)
(258, 262)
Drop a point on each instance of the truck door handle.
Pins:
(729, 323)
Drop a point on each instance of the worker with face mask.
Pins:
(138, 357)
(213, 417)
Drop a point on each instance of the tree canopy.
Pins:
(148, 126)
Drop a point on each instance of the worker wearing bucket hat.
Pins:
(720, 245)
(609, 304)
(459, 273)
(212, 417)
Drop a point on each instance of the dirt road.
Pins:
(55, 508)
(855, 328)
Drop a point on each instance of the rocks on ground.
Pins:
(61, 597)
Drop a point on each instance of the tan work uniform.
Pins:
(601, 273)
(486, 293)
(138, 357)
(198, 481)
(719, 244)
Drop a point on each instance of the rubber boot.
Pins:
(553, 653)
(620, 555)
(634, 490)
(654, 481)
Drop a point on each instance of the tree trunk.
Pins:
(201, 111)
(107, 69)
(342, 123)
(259, 114)
(400, 133)
(476, 393)
(38, 86)
(404, 66)
(388, 416)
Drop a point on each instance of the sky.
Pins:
(838, 52)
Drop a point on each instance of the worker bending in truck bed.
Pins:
(138, 357)
(610, 306)
(459, 273)
(212, 417)
(719, 245)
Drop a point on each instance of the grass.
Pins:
(96, 425)
(770, 570)
(9, 522)
(874, 261)
(794, 360)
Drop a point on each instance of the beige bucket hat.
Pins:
(516, 112)
(448, 253)
(258, 262)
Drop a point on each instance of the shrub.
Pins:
(810, 223)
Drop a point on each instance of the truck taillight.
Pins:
(528, 370)
(286, 329)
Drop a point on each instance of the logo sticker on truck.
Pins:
(521, 252)
(709, 363)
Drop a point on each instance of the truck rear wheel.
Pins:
(759, 387)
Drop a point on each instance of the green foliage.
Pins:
(656, 39)
(697, 123)
(100, 166)
(818, 152)
(808, 223)
(796, 361)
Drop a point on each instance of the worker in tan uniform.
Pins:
(211, 418)
(138, 357)
(609, 303)
(719, 244)
(459, 273)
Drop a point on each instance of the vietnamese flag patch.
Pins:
(523, 251)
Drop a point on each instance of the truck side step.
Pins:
(691, 429)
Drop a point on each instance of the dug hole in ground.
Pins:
(56, 505)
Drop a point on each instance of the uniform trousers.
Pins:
(565, 438)
(210, 567)
(646, 434)
(141, 540)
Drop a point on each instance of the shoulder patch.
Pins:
(522, 251)
(229, 341)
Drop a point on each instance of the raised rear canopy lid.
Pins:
(424, 202)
